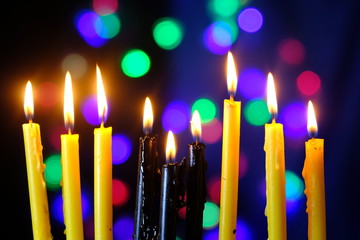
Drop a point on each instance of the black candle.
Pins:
(196, 186)
(148, 183)
(169, 197)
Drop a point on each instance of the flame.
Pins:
(271, 95)
(101, 98)
(231, 75)
(148, 117)
(196, 125)
(170, 147)
(68, 103)
(29, 102)
(311, 123)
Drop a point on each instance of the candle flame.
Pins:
(68, 103)
(311, 123)
(231, 75)
(196, 125)
(29, 102)
(271, 95)
(170, 147)
(101, 98)
(148, 117)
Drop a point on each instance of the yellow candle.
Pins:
(230, 158)
(102, 169)
(71, 188)
(313, 174)
(35, 172)
(275, 170)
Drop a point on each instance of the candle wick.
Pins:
(102, 124)
(231, 97)
(69, 130)
(273, 119)
(30, 120)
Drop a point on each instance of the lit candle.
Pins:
(71, 188)
(313, 174)
(103, 211)
(196, 186)
(275, 170)
(148, 181)
(230, 158)
(169, 192)
(35, 171)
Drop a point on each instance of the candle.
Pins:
(102, 168)
(196, 186)
(35, 171)
(71, 189)
(169, 192)
(148, 181)
(230, 158)
(275, 170)
(313, 174)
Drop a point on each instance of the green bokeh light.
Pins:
(256, 112)
(135, 63)
(206, 109)
(53, 172)
(211, 215)
(224, 8)
(107, 26)
(167, 33)
(294, 186)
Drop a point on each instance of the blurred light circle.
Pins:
(308, 83)
(211, 131)
(256, 112)
(206, 109)
(294, 118)
(107, 26)
(292, 51)
(53, 172)
(252, 83)
(223, 8)
(176, 116)
(250, 20)
(217, 38)
(135, 63)
(167, 33)
(75, 64)
(123, 228)
(121, 148)
(85, 24)
(211, 215)
(47, 94)
(294, 186)
(89, 110)
(121, 193)
(105, 7)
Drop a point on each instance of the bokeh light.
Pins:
(121, 148)
(243, 165)
(223, 8)
(167, 33)
(53, 172)
(85, 24)
(104, 7)
(256, 112)
(294, 186)
(57, 204)
(176, 116)
(250, 20)
(107, 26)
(292, 51)
(212, 235)
(206, 108)
(135, 63)
(211, 131)
(54, 138)
(75, 64)
(124, 228)
(217, 38)
(121, 192)
(47, 94)
(294, 118)
(308, 83)
(293, 206)
(213, 186)
(243, 231)
(252, 83)
(211, 215)
(89, 110)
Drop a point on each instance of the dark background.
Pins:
(36, 36)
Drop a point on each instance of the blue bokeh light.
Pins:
(121, 148)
